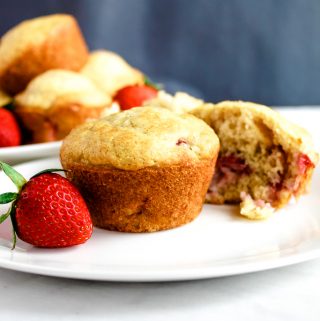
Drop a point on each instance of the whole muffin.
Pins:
(57, 101)
(143, 170)
(37, 45)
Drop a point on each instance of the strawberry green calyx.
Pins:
(12, 197)
(5, 198)
(150, 83)
(15, 177)
(50, 170)
(8, 106)
(11, 213)
(8, 197)
(4, 216)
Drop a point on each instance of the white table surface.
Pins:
(290, 293)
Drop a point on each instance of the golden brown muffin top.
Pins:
(57, 84)
(138, 138)
(110, 72)
(29, 33)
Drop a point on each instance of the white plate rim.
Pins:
(165, 274)
(16, 150)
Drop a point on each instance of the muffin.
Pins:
(264, 159)
(37, 45)
(57, 101)
(180, 102)
(110, 72)
(142, 170)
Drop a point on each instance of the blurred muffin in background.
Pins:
(110, 72)
(57, 101)
(37, 45)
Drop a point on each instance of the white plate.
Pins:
(217, 243)
(19, 154)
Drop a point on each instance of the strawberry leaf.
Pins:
(8, 197)
(150, 83)
(14, 239)
(9, 106)
(50, 170)
(15, 177)
(12, 213)
(4, 216)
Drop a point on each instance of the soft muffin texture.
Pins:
(37, 45)
(110, 72)
(180, 102)
(138, 138)
(264, 159)
(142, 170)
(57, 101)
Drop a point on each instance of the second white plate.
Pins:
(217, 243)
(23, 153)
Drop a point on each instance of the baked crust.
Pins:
(61, 85)
(55, 123)
(143, 170)
(138, 138)
(57, 101)
(37, 45)
(146, 200)
(110, 72)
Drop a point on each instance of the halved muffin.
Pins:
(37, 45)
(142, 170)
(180, 102)
(110, 72)
(264, 159)
(57, 101)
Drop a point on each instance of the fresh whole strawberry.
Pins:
(10, 134)
(134, 95)
(48, 211)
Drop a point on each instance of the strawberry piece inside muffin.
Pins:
(263, 160)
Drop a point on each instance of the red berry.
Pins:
(50, 212)
(134, 96)
(304, 163)
(10, 134)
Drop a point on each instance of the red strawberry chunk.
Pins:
(304, 163)
(134, 96)
(9, 130)
(232, 163)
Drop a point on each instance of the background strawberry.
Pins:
(134, 95)
(48, 211)
(10, 134)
